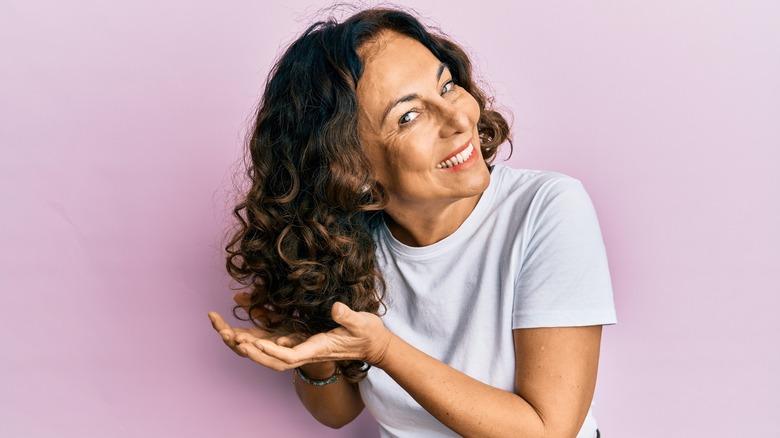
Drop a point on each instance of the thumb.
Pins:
(341, 313)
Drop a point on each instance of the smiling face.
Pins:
(418, 127)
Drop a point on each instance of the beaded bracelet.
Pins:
(311, 381)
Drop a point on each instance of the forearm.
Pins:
(464, 404)
(334, 405)
(554, 378)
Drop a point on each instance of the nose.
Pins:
(454, 119)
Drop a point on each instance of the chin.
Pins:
(479, 179)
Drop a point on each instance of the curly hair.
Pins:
(304, 235)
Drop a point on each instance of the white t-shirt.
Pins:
(529, 255)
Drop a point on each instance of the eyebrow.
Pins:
(408, 97)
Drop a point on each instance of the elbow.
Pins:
(334, 420)
(335, 425)
(335, 407)
(560, 430)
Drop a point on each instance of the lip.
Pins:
(459, 150)
(466, 163)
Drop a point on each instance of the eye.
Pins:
(408, 117)
(448, 86)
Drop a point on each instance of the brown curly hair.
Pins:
(304, 235)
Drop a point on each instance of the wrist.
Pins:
(380, 357)
(319, 370)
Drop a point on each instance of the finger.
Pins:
(317, 348)
(244, 337)
(243, 299)
(229, 338)
(256, 354)
(290, 340)
(281, 353)
(226, 332)
(342, 314)
(217, 322)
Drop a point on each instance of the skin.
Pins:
(426, 204)
(556, 367)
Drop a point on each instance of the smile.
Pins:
(458, 158)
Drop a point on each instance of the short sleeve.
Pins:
(564, 276)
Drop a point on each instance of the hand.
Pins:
(229, 334)
(361, 336)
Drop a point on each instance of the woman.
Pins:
(377, 235)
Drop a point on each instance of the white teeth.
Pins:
(457, 159)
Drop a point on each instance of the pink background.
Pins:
(120, 128)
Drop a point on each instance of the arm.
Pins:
(334, 405)
(555, 375)
(555, 378)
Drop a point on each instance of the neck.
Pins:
(423, 225)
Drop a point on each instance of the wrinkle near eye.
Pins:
(396, 132)
(364, 122)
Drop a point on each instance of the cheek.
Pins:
(384, 161)
(394, 160)
(401, 166)
(379, 165)
(374, 151)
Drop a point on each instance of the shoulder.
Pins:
(530, 186)
(531, 180)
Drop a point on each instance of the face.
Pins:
(417, 126)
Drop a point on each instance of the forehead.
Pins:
(388, 45)
(393, 65)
